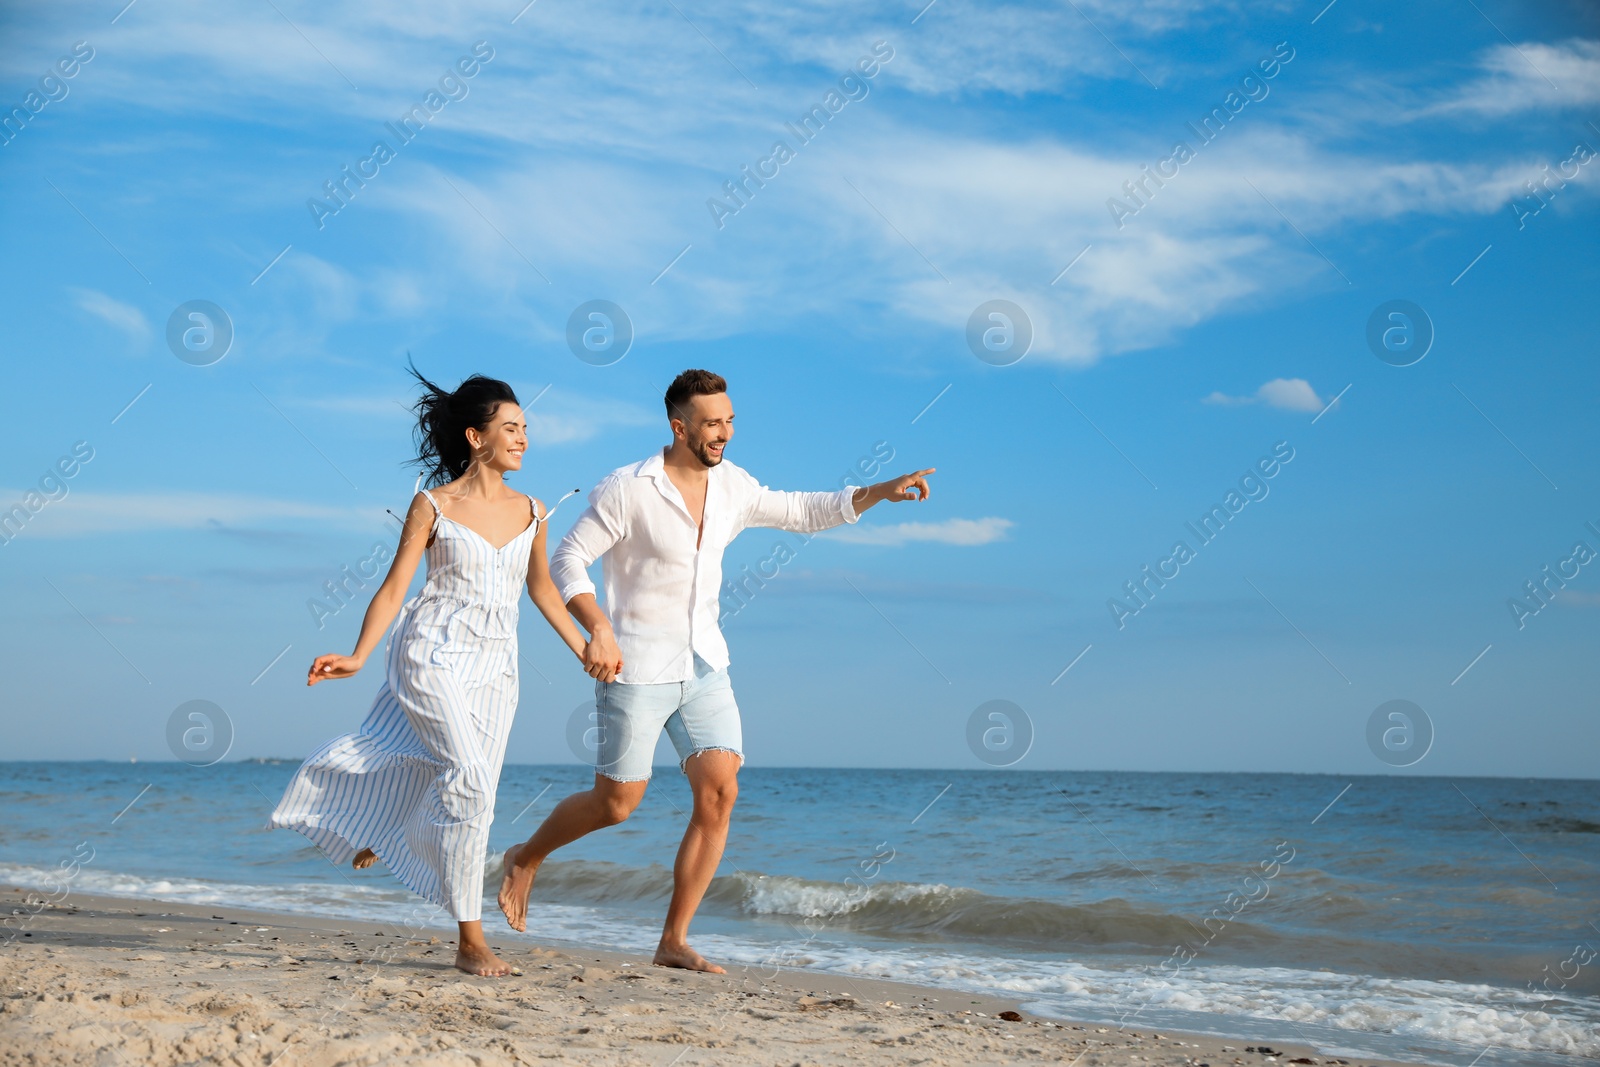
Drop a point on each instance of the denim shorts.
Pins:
(700, 715)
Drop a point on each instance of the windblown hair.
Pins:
(690, 384)
(442, 420)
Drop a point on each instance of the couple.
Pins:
(415, 785)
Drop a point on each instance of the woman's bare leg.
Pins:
(474, 955)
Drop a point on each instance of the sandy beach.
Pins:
(101, 980)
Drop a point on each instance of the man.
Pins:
(660, 660)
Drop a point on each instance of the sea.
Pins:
(1453, 921)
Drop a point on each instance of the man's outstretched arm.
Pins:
(814, 512)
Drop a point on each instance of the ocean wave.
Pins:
(1561, 824)
(330, 898)
(1420, 1013)
(1300, 930)
(1416, 1020)
(333, 899)
(942, 911)
(900, 910)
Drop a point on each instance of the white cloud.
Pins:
(632, 158)
(1002, 219)
(996, 219)
(1015, 48)
(125, 317)
(1530, 76)
(1290, 394)
(947, 532)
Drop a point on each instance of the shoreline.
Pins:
(161, 983)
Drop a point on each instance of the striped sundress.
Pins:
(416, 783)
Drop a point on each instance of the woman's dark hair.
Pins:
(442, 421)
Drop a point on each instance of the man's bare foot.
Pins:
(480, 959)
(364, 859)
(685, 957)
(515, 886)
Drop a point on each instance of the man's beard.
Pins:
(701, 452)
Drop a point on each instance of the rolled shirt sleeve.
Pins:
(848, 505)
(597, 529)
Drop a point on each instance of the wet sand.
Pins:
(104, 981)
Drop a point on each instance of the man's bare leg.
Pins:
(714, 779)
(606, 804)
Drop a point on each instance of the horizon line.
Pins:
(666, 767)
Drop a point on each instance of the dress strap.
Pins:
(438, 512)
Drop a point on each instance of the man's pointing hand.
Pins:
(913, 486)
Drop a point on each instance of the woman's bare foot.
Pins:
(364, 859)
(480, 959)
(685, 957)
(515, 886)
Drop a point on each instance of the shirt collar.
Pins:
(655, 468)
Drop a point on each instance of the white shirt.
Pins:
(660, 589)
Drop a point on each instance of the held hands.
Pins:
(330, 666)
(602, 659)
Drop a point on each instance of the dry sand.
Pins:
(105, 981)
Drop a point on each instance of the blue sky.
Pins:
(1175, 343)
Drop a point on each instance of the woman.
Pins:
(415, 785)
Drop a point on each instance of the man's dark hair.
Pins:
(690, 384)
